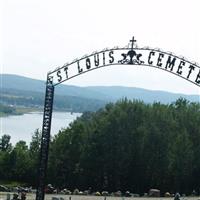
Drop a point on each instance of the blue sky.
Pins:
(37, 36)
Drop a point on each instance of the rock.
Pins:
(76, 191)
(105, 193)
(127, 194)
(97, 194)
(167, 194)
(8, 196)
(86, 192)
(3, 188)
(55, 198)
(68, 192)
(177, 196)
(154, 193)
(118, 193)
(145, 194)
(135, 195)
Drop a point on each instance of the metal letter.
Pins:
(161, 55)
(191, 69)
(170, 63)
(182, 63)
(152, 53)
(96, 60)
(66, 69)
(198, 78)
(111, 56)
(88, 64)
(79, 69)
(59, 76)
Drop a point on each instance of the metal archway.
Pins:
(156, 58)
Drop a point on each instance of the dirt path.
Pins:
(30, 196)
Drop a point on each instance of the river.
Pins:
(22, 127)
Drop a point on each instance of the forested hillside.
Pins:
(35, 100)
(21, 91)
(6, 110)
(128, 145)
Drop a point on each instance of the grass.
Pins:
(20, 111)
(2, 114)
(11, 184)
(23, 110)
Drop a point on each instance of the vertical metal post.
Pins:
(46, 128)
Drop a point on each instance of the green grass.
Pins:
(19, 111)
(2, 114)
(23, 110)
(11, 184)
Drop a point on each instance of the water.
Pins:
(22, 127)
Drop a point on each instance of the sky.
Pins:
(38, 36)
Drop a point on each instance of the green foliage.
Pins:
(128, 145)
(25, 92)
(6, 110)
(5, 145)
(30, 99)
(19, 163)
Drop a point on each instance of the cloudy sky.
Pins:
(38, 36)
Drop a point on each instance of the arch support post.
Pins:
(44, 149)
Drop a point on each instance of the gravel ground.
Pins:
(30, 196)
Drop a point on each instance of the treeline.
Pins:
(32, 99)
(128, 145)
(20, 162)
(7, 110)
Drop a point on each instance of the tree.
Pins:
(20, 162)
(34, 153)
(5, 144)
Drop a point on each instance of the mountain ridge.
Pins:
(101, 93)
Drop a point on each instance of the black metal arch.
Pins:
(149, 57)
(193, 66)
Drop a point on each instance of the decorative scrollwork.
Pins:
(134, 58)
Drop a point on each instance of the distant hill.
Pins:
(19, 90)
(26, 92)
(148, 96)
(10, 81)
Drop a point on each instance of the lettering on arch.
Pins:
(128, 56)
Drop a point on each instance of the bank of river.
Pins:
(21, 127)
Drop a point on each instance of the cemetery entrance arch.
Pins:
(129, 55)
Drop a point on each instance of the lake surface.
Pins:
(22, 127)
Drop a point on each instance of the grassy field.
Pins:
(20, 111)
(30, 196)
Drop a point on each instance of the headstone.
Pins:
(177, 196)
(118, 193)
(154, 193)
(127, 194)
(8, 196)
(167, 194)
(97, 194)
(55, 198)
(76, 191)
(105, 193)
